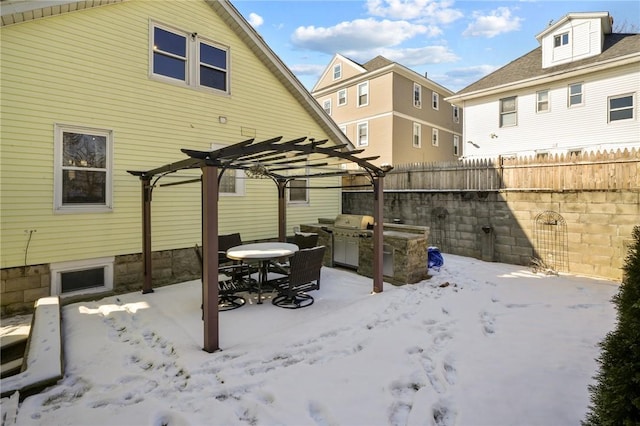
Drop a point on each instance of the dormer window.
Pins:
(561, 40)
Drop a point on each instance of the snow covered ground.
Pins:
(477, 344)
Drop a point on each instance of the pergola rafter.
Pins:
(298, 158)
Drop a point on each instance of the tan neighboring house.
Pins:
(92, 89)
(390, 111)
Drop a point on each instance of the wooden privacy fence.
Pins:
(586, 171)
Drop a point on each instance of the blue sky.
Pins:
(455, 42)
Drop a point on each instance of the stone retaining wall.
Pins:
(499, 225)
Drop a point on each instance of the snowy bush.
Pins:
(615, 398)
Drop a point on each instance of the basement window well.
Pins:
(82, 277)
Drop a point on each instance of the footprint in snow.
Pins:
(488, 323)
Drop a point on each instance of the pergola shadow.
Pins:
(273, 159)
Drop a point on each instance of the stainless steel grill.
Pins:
(347, 231)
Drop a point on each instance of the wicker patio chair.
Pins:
(232, 279)
(305, 240)
(303, 275)
(225, 242)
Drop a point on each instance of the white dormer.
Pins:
(574, 37)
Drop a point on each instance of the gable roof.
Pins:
(604, 17)
(18, 11)
(343, 59)
(527, 70)
(378, 66)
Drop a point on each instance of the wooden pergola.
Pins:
(302, 158)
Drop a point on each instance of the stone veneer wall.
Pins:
(599, 223)
(22, 286)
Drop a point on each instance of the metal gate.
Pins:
(551, 246)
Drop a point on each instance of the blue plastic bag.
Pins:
(435, 259)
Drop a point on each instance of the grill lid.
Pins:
(353, 221)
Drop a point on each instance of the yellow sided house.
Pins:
(93, 89)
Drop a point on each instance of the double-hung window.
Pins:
(542, 101)
(298, 192)
(417, 95)
(575, 94)
(417, 135)
(363, 134)
(342, 97)
(435, 140)
(456, 114)
(508, 111)
(435, 100)
(456, 145)
(326, 105)
(180, 57)
(363, 94)
(337, 71)
(621, 107)
(83, 169)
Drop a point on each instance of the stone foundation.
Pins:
(22, 286)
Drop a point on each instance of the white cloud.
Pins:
(459, 78)
(409, 57)
(498, 22)
(435, 12)
(358, 35)
(255, 20)
(307, 69)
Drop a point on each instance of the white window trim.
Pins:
(240, 178)
(435, 137)
(192, 73)
(366, 141)
(58, 207)
(456, 145)
(417, 89)
(306, 194)
(326, 106)
(343, 129)
(417, 131)
(561, 38)
(502, 113)
(345, 97)
(435, 100)
(56, 270)
(569, 105)
(456, 113)
(366, 86)
(162, 77)
(632, 107)
(339, 69)
(543, 111)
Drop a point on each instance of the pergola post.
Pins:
(282, 210)
(378, 217)
(146, 235)
(210, 257)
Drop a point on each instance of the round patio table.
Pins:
(262, 253)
